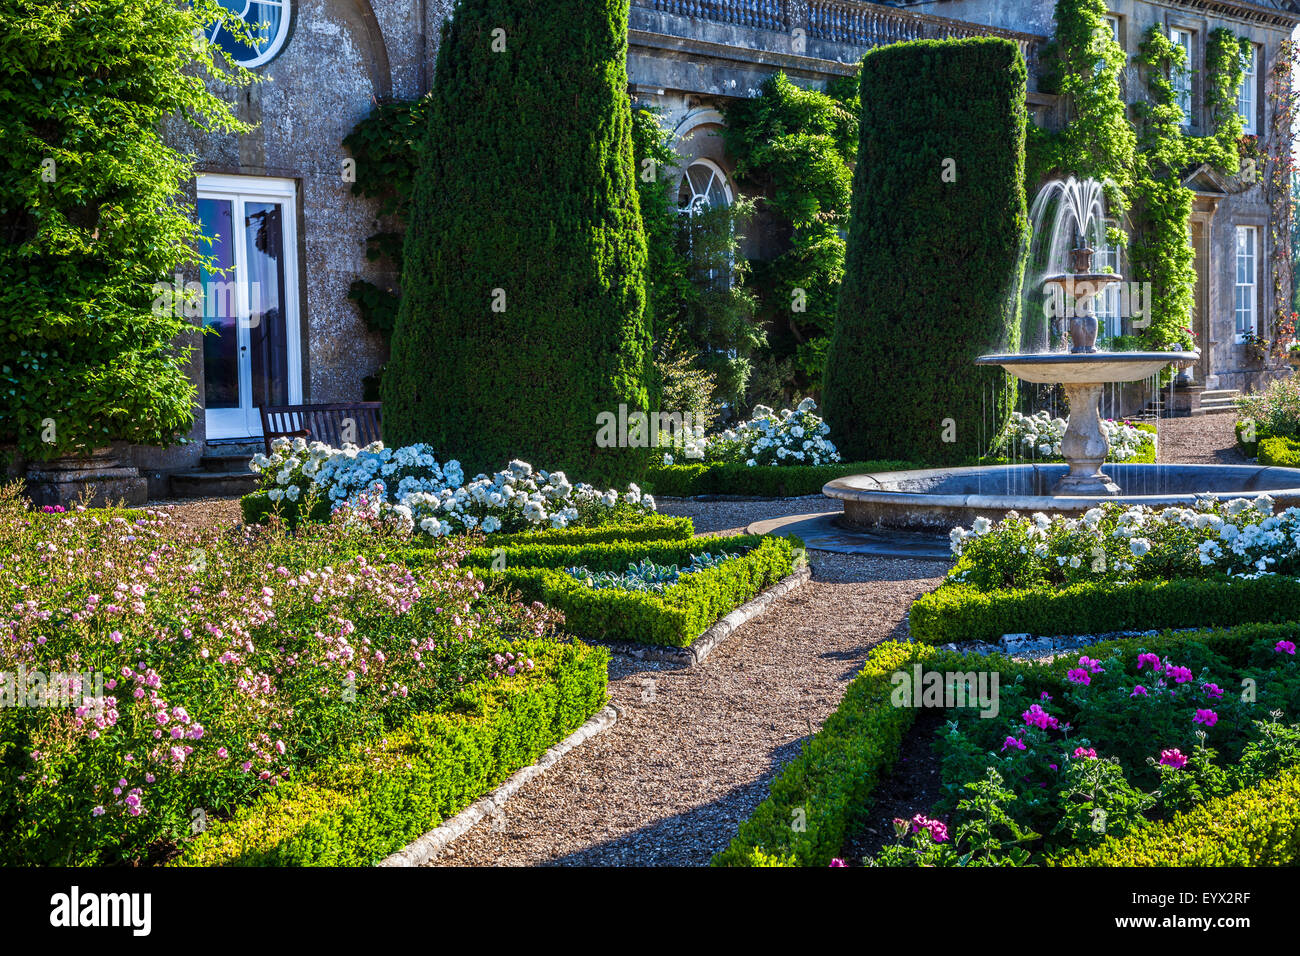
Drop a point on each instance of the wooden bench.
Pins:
(335, 425)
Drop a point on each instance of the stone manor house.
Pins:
(296, 235)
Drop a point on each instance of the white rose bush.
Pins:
(408, 488)
(797, 437)
(1039, 437)
(1117, 543)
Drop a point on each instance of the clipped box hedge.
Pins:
(956, 612)
(370, 802)
(761, 481)
(829, 785)
(674, 618)
(1258, 826)
(1279, 451)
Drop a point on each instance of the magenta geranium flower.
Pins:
(1213, 690)
(1179, 675)
(1153, 660)
(1078, 676)
(1085, 753)
(1035, 716)
(1013, 743)
(1285, 647)
(1094, 666)
(937, 829)
(1173, 758)
(838, 862)
(1138, 691)
(1207, 717)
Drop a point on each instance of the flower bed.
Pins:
(792, 438)
(1093, 759)
(409, 486)
(675, 617)
(1117, 567)
(760, 481)
(186, 675)
(1038, 438)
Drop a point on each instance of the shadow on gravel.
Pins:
(690, 838)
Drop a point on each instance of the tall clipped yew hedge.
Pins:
(523, 307)
(935, 252)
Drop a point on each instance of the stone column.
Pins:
(1085, 445)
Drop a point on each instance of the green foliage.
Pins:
(919, 299)
(371, 801)
(1259, 826)
(771, 481)
(90, 217)
(685, 386)
(695, 277)
(962, 613)
(796, 148)
(1280, 451)
(523, 303)
(1275, 410)
(676, 617)
(823, 792)
(1097, 141)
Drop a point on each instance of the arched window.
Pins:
(703, 186)
(268, 21)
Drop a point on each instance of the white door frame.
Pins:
(246, 422)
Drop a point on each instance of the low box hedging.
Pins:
(819, 797)
(761, 481)
(1281, 452)
(651, 527)
(360, 807)
(956, 612)
(674, 618)
(1258, 826)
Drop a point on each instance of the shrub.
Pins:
(783, 481)
(935, 251)
(91, 218)
(674, 618)
(522, 314)
(373, 800)
(960, 613)
(1275, 410)
(197, 669)
(1249, 434)
(1258, 826)
(1280, 451)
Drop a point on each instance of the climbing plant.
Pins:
(385, 147)
(1280, 182)
(700, 310)
(795, 149)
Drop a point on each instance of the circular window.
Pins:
(704, 186)
(268, 23)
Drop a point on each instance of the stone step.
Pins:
(225, 464)
(212, 484)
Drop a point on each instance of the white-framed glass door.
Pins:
(252, 356)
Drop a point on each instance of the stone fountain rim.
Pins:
(849, 488)
(1085, 358)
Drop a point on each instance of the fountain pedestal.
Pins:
(1084, 444)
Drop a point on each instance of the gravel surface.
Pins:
(695, 749)
(1206, 440)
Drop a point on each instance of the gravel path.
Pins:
(695, 749)
(1207, 440)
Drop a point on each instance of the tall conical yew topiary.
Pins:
(523, 307)
(935, 253)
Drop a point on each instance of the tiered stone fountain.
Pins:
(936, 500)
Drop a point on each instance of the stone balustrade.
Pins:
(850, 23)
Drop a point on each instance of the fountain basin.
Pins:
(940, 499)
(1086, 368)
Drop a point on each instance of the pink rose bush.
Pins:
(151, 672)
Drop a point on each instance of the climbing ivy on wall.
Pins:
(1084, 64)
(795, 149)
(386, 148)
